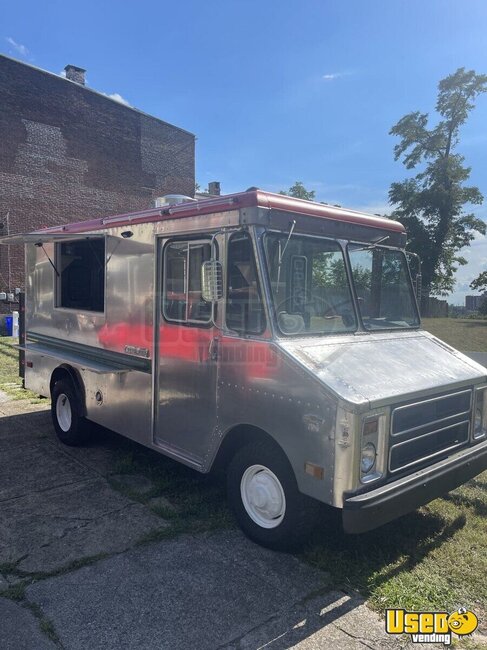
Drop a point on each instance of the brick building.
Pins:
(69, 153)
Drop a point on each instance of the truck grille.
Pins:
(424, 430)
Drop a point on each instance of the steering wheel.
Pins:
(327, 311)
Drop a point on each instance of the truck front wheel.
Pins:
(264, 496)
(71, 428)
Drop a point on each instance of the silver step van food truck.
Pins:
(276, 338)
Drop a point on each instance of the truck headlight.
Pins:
(372, 448)
(369, 454)
(480, 414)
(478, 420)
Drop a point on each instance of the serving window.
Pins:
(81, 280)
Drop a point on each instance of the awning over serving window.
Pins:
(45, 238)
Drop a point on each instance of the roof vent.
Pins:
(172, 199)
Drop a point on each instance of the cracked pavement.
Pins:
(74, 572)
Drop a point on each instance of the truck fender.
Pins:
(65, 370)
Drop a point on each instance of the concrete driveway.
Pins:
(86, 562)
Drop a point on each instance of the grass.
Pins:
(45, 624)
(432, 559)
(10, 382)
(14, 592)
(198, 501)
(47, 627)
(464, 334)
(18, 595)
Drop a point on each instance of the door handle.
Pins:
(213, 349)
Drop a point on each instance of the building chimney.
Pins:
(214, 188)
(73, 73)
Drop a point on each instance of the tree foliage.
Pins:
(431, 203)
(298, 191)
(329, 272)
(480, 283)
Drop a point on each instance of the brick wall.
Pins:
(68, 154)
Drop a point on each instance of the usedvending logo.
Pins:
(431, 627)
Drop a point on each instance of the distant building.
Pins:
(473, 303)
(69, 153)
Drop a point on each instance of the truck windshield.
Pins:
(309, 284)
(383, 286)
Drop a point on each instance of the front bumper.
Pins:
(372, 509)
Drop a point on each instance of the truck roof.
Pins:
(250, 199)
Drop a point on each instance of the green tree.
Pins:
(298, 191)
(330, 272)
(480, 283)
(431, 203)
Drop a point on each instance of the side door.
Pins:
(247, 372)
(186, 376)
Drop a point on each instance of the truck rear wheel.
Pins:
(264, 496)
(71, 428)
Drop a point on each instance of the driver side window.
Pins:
(244, 308)
(182, 300)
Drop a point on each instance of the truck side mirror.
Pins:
(211, 281)
(416, 275)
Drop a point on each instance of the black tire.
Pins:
(73, 430)
(300, 514)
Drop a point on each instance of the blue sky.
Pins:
(275, 91)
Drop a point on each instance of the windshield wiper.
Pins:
(380, 240)
(374, 244)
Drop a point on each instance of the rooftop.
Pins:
(253, 198)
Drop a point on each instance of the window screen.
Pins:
(81, 283)
(182, 301)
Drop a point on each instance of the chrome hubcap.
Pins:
(63, 412)
(263, 496)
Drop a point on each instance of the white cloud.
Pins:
(331, 76)
(115, 96)
(118, 98)
(17, 47)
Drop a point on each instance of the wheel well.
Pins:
(68, 372)
(237, 438)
